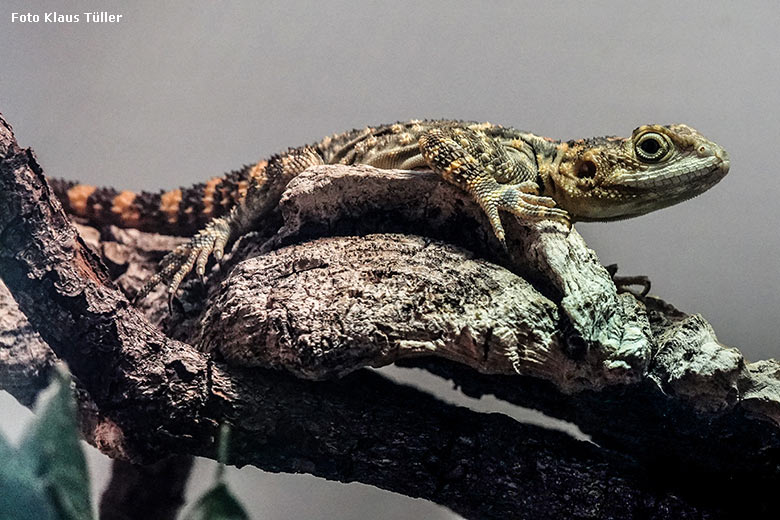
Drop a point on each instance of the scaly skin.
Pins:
(504, 169)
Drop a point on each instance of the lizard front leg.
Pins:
(475, 162)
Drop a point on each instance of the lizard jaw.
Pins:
(692, 174)
(637, 197)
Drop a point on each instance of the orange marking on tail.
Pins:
(242, 187)
(208, 194)
(258, 171)
(78, 197)
(227, 197)
(169, 204)
(123, 205)
(257, 176)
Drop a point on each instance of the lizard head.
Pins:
(611, 178)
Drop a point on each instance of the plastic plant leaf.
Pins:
(22, 495)
(52, 449)
(217, 504)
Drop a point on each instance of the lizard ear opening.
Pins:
(586, 170)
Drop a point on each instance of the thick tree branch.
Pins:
(156, 396)
(25, 359)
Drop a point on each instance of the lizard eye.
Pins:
(651, 147)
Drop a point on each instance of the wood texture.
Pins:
(341, 279)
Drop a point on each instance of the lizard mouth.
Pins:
(690, 175)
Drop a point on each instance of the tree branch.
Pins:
(583, 351)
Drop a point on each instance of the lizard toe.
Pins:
(177, 264)
(529, 206)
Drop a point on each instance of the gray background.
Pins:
(177, 93)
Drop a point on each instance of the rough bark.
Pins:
(25, 359)
(670, 406)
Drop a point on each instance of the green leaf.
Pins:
(52, 449)
(22, 495)
(217, 504)
(7, 452)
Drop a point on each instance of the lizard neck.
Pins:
(549, 161)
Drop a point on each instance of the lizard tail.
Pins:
(182, 211)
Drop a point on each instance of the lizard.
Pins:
(502, 168)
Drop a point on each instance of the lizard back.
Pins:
(183, 211)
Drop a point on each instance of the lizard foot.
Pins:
(514, 199)
(624, 282)
(178, 263)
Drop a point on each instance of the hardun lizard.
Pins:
(535, 178)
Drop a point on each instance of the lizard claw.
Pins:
(177, 264)
(622, 283)
(527, 206)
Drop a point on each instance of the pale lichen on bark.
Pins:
(610, 330)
